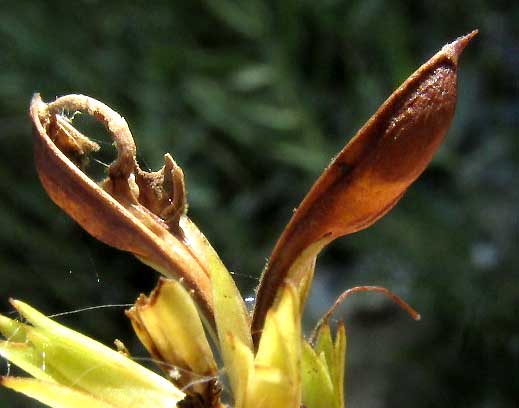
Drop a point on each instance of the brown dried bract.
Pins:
(133, 210)
(373, 171)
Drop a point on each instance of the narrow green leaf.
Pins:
(55, 395)
(84, 364)
(339, 366)
(324, 345)
(12, 330)
(318, 389)
(27, 358)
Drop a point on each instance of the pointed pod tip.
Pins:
(454, 49)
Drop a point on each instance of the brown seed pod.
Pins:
(370, 175)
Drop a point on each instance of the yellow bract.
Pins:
(272, 379)
(323, 369)
(168, 324)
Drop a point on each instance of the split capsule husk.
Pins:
(137, 211)
(369, 176)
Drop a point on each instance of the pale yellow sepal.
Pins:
(54, 353)
(275, 380)
(300, 276)
(168, 324)
(230, 314)
(243, 370)
(301, 273)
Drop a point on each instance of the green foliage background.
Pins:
(253, 98)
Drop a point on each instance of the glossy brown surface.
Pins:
(373, 171)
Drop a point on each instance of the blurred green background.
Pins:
(253, 98)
